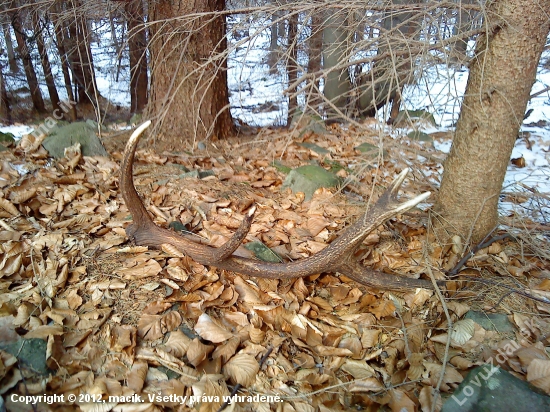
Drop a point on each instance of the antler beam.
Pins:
(336, 257)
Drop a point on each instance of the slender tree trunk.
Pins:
(61, 38)
(14, 68)
(381, 85)
(501, 76)
(337, 84)
(80, 56)
(292, 65)
(50, 82)
(315, 49)
(137, 44)
(32, 80)
(189, 96)
(273, 55)
(5, 109)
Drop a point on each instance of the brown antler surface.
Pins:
(336, 257)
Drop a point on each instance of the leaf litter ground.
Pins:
(120, 320)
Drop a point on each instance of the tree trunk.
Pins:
(273, 54)
(387, 77)
(501, 77)
(292, 65)
(32, 80)
(61, 38)
(50, 82)
(189, 98)
(5, 109)
(337, 84)
(315, 49)
(137, 45)
(14, 68)
(80, 56)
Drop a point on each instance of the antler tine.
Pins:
(336, 257)
(127, 188)
(144, 231)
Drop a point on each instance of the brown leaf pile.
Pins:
(121, 321)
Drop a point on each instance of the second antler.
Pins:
(338, 256)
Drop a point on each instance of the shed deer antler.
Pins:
(338, 256)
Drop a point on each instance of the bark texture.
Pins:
(14, 68)
(382, 84)
(137, 44)
(30, 73)
(5, 109)
(501, 77)
(292, 65)
(189, 98)
(80, 55)
(61, 40)
(46, 66)
(337, 84)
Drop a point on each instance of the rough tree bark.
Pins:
(501, 77)
(5, 109)
(292, 65)
(44, 59)
(337, 84)
(14, 68)
(30, 73)
(189, 99)
(61, 39)
(315, 50)
(137, 45)
(382, 84)
(80, 55)
(273, 55)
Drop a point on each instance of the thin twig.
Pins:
(483, 244)
(405, 338)
(435, 392)
(513, 290)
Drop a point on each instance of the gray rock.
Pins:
(309, 178)
(491, 389)
(61, 137)
(491, 321)
(262, 252)
(30, 352)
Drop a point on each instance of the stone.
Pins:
(62, 137)
(492, 389)
(309, 178)
(491, 321)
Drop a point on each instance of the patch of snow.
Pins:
(18, 130)
(444, 146)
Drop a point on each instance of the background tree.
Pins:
(137, 47)
(382, 84)
(61, 40)
(25, 53)
(79, 52)
(501, 77)
(189, 96)
(39, 27)
(335, 45)
(5, 109)
(292, 63)
(14, 68)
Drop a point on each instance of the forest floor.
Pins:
(108, 318)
